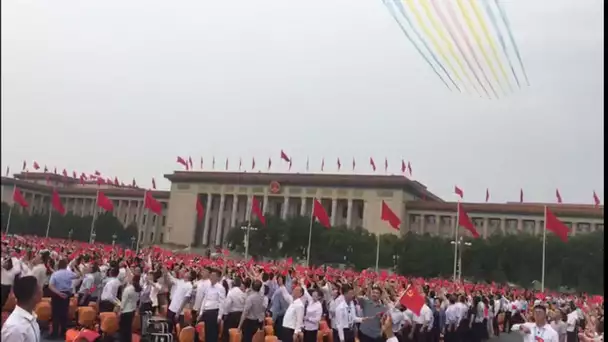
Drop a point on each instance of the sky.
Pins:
(124, 87)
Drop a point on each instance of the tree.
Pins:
(66, 226)
(513, 258)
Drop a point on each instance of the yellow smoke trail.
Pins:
(471, 26)
(486, 33)
(439, 28)
(434, 41)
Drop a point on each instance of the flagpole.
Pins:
(377, 251)
(48, 223)
(94, 216)
(10, 211)
(248, 229)
(456, 240)
(542, 276)
(141, 222)
(312, 211)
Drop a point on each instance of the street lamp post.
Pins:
(461, 244)
(132, 242)
(113, 239)
(93, 235)
(248, 228)
(70, 234)
(395, 260)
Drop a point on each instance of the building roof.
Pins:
(570, 210)
(305, 179)
(77, 190)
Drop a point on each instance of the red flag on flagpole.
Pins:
(19, 199)
(153, 183)
(35, 166)
(240, 163)
(269, 163)
(104, 202)
(74, 175)
(182, 161)
(354, 164)
(117, 183)
(389, 216)
(385, 165)
(201, 163)
(521, 195)
(190, 163)
(596, 199)
(458, 192)
(487, 195)
(553, 224)
(290, 159)
(465, 221)
(409, 168)
(284, 156)
(46, 169)
(322, 164)
(307, 164)
(56, 202)
(213, 163)
(64, 173)
(7, 171)
(24, 165)
(151, 203)
(403, 166)
(200, 211)
(256, 209)
(252, 163)
(558, 196)
(339, 165)
(226, 164)
(373, 165)
(320, 214)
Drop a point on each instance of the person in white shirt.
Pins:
(346, 317)
(558, 324)
(39, 271)
(212, 306)
(313, 314)
(233, 307)
(571, 324)
(10, 269)
(452, 319)
(128, 305)
(200, 285)
(538, 331)
(422, 324)
(336, 298)
(181, 293)
(21, 325)
(293, 321)
(109, 294)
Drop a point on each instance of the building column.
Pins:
(334, 209)
(422, 224)
(285, 208)
(520, 225)
(349, 213)
(265, 203)
(485, 227)
(303, 207)
(235, 202)
(248, 208)
(438, 224)
(220, 217)
(206, 222)
(574, 226)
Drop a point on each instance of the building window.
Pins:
(164, 220)
(141, 235)
(152, 237)
(145, 218)
(153, 219)
(134, 218)
(162, 237)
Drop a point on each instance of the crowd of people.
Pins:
(226, 293)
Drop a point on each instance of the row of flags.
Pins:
(84, 178)
(188, 164)
(558, 197)
(102, 201)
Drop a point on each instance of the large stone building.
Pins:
(350, 200)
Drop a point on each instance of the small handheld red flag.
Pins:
(412, 300)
